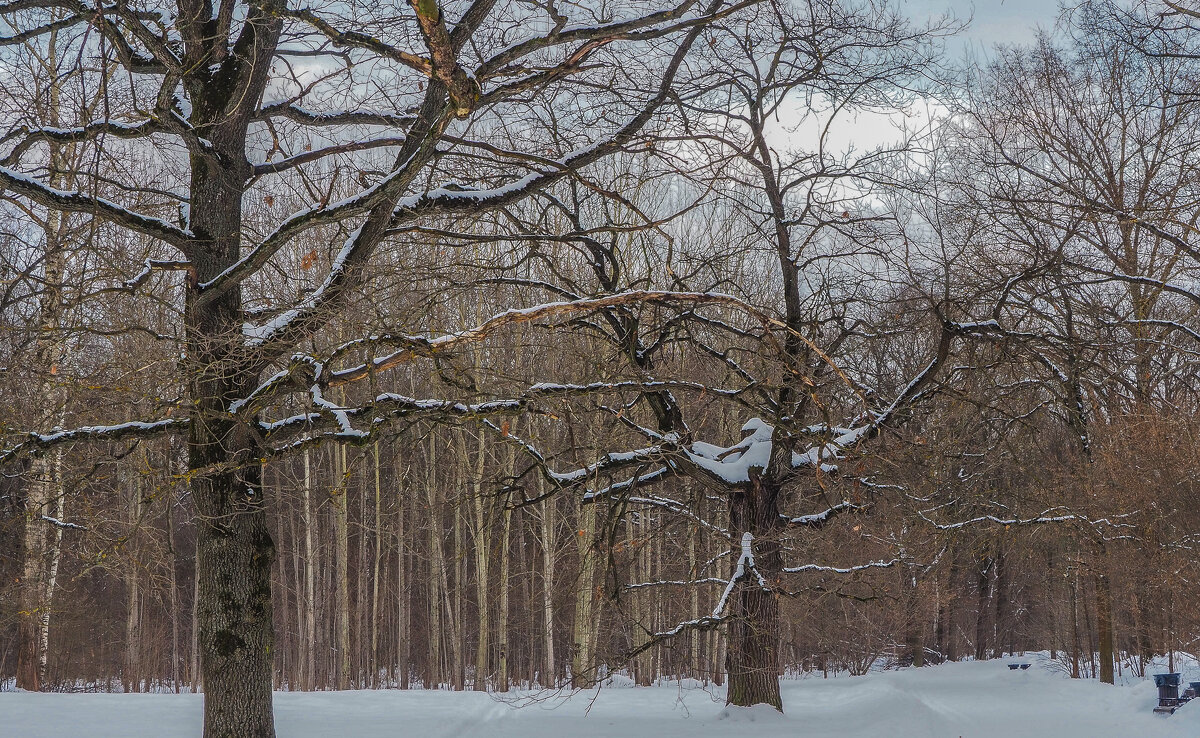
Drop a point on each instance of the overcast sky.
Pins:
(994, 21)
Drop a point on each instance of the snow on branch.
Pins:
(841, 570)
(62, 524)
(135, 428)
(742, 570)
(78, 202)
(817, 520)
(1046, 517)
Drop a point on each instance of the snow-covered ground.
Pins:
(973, 700)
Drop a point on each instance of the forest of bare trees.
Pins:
(515, 344)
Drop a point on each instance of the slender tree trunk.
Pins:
(403, 601)
(1002, 603)
(44, 492)
(1075, 648)
(502, 618)
(133, 636)
(550, 675)
(1104, 626)
(373, 661)
(454, 599)
(582, 658)
(299, 678)
(641, 599)
(341, 528)
(437, 572)
(310, 581)
(984, 584)
(482, 553)
(362, 660)
(173, 584)
(695, 638)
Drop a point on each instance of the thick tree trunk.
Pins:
(234, 612)
(235, 553)
(752, 657)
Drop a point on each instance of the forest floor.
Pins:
(971, 699)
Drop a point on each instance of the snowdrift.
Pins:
(972, 700)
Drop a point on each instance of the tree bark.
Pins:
(373, 659)
(310, 583)
(502, 619)
(582, 658)
(44, 491)
(482, 552)
(984, 582)
(1104, 627)
(752, 656)
(550, 675)
(341, 528)
(235, 552)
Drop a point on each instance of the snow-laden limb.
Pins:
(616, 488)
(257, 335)
(149, 266)
(62, 523)
(1048, 516)
(818, 520)
(734, 464)
(841, 569)
(79, 202)
(340, 414)
(135, 428)
(299, 114)
(1168, 324)
(26, 136)
(610, 461)
(741, 570)
(333, 421)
